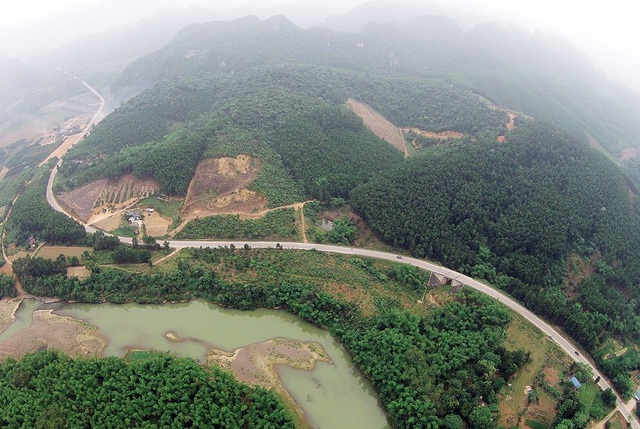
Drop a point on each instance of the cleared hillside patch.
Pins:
(379, 125)
(220, 186)
(101, 198)
(155, 224)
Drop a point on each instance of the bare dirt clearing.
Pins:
(102, 199)
(379, 125)
(79, 272)
(255, 363)
(219, 186)
(50, 331)
(108, 223)
(52, 252)
(551, 375)
(156, 225)
(82, 200)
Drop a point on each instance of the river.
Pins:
(332, 395)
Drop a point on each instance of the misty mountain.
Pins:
(16, 79)
(102, 57)
(541, 76)
(382, 11)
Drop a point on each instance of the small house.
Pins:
(576, 383)
(437, 280)
(456, 286)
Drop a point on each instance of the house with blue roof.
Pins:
(576, 383)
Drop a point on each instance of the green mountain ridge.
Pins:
(544, 77)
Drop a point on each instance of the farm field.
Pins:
(52, 252)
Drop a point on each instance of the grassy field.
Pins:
(514, 406)
(52, 252)
(168, 208)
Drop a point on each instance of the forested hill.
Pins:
(291, 117)
(513, 213)
(541, 76)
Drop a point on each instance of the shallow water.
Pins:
(332, 395)
(24, 317)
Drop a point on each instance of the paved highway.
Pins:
(78, 137)
(551, 333)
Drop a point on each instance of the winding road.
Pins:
(551, 333)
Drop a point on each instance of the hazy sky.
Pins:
(607, 31)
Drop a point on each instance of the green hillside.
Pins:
(541, 76)
(513, 214)
(292, 117)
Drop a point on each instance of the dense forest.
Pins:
(541, 76)
(31, 216)
(289, 116)
(462, 342)
(7, 288)
(512, 214)
(50, 390)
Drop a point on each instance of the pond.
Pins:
(332, 395)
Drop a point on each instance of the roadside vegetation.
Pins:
(277, 224)
(33, 218)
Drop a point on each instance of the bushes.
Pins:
(31, 215)
(277, 223)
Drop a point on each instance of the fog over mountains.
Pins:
(33, 28)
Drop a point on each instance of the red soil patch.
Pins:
(219, 186)
(512, 120)
(379, 125)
